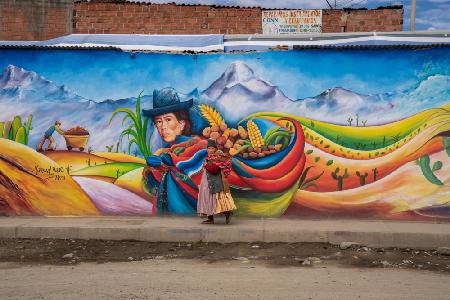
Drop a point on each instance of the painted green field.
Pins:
(113, 170)
(370, 137)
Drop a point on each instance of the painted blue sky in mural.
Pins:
(381, 86)
(100, 75)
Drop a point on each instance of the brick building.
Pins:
(45, 19)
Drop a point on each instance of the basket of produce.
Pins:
(76, 137)
(246, 143)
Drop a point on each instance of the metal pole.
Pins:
(329, 4)
(413, 15)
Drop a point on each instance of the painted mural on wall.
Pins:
(311, 133)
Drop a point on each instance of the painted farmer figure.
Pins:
(167, 172)
(48, 136)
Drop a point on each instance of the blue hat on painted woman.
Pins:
(166, 101)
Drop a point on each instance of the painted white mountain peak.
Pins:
(22, 85)
(239, 92)
(240, 78)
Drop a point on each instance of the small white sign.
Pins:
(291, 21)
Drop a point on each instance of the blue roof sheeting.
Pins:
(229, 43)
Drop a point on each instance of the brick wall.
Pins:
(103, 17)
(362, 20)
(109, 17)
(45, 19)
(35, 19)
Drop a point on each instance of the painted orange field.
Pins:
(405, 189)
(385, 165)
(425, 142)
(33, 184)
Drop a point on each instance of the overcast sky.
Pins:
(431, 14)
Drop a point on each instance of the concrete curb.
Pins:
(418, 235)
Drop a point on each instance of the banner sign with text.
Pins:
(291, 21)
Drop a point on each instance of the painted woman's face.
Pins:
(211, 150)
(169, 127)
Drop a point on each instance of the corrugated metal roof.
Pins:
(173, 3)
(233, 43)
(129, 42)
(143, 2)
(337, 40)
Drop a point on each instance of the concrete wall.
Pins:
(315, 133)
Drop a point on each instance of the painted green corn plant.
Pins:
(137, 131)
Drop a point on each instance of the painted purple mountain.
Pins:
(239, 92)
(17, 84)
(238, 87)
(24, 92)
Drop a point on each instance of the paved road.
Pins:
(197, 279)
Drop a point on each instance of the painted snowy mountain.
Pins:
(238, 87)
(24, 92)
(337, 104)
(239, 92)
(17, 84)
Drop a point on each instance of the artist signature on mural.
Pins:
(55, 173)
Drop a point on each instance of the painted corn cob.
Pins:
(254, 134)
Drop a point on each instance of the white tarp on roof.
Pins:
(218, 42)
(129, 42)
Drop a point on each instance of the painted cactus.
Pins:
(28, 128)
(21, 135)
(447, 145)
(362, 177)
(15, 131)
(375, 174)
(428, 172)
(16, 124)
(339, 178)
(7, 130)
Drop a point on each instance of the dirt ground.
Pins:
(93, 269)
(301, 255)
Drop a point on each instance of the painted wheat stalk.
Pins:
(211, 115)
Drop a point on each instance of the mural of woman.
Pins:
(171, 119)
(170, 116)
(173, 173)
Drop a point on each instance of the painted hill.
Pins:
(33, 184)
